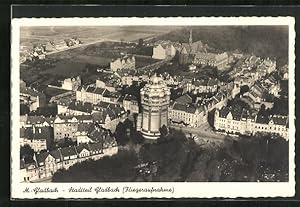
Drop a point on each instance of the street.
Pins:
(202, 133)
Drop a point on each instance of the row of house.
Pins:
(47, 163)
(93, 94)
(202, 86)
(184, 111)
(37, 121)
(215, 102)
(61, 44)
(259, 94)
(38, 52)
(128, 80)
(106, 114)
(40, 133)
(227, 120)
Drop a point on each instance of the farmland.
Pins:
(83, 60)
(42, 34)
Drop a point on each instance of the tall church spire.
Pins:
(191, 37)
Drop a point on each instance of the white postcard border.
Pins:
(177, 189)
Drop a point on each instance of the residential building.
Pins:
(95, 95)
(28, 172)
(71, 84)
(109, 115)
(47, 163)
(32, 98)
(130, 103)
(219, 61)
(93, 133)
(79, 108)
(67, 126)
(188, 114)
(39, 55)
(228, 120)
(38, 138)
(202, 86)
(266, 67)
(37, 121)
(63, 105)
(102, 84)
(125, 62)
(165, 50)
(215, 102)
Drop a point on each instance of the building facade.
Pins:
(163, 51)
(187, 114)
(125, 62)
(32, 98)
(71, 84)
(47, 163)
(244, 123)
(219, 61)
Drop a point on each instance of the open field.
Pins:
(92, 60)
(42, 34)
(66, 69)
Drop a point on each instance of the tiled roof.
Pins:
(262, 119)
(30, 91)
(224, 112)
(56, 154)
(41, 157)
(64, 101)
(194, 48)
(212, 82)
(184, 107)
(95, 146)
(80, 106)
(81, 147)
(37, 132)
(99, 117)
(280, 120)
(129, 97)
(84, 127)
(185, 99)
(84, 117)
(68, 151)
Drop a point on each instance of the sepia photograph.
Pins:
(156, 109)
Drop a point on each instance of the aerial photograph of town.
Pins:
(154, 104)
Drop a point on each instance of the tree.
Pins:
(244, 89)
(176, 57)
(24, 109)
(116, 168)
(26, 153)
(141, 43)
(121, 134)
(164, 131)
(211, 117)
(66, 142)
